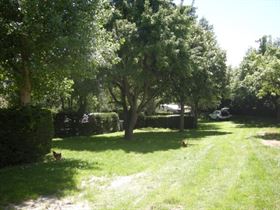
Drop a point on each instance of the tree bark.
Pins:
(25, 87)
(130, 123)
(182, 115)
(25, 80)
(195, 114)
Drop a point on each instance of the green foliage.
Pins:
(53, 40)
(270, 67)
(255, 85)
(7, 89)
(26, 135)
(50, 92)
(66, 124)
(178, 72)
(197, 74)
(100, 123)
(208, 67)
(165, 121)
(73, 123)
(152, 35)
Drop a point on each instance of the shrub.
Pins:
(71, 123)
(99, 123)
(25, 135)
(166, 121)
(66, 124)
(141, 121)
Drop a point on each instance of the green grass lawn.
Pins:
(225, 167)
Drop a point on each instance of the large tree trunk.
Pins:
(25, 87)
(25, 81)
(131, 119)
(182, 115)
(195, 113)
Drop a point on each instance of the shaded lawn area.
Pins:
(224, 167)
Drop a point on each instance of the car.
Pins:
(222, 114)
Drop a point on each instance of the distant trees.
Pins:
(270, 75)
(198, 71)
(255, 84)
(208, 69)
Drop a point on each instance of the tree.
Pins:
(208, 69)
(179, 68)
(269, 65)
(255, 85)
(46, 40)
(145, 31)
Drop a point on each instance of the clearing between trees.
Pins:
(225, 166)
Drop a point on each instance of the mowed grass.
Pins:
(225, 166)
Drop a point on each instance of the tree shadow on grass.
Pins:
(30, 181)
(20, 183)
(255, 122)
(269, 136)
(144, 141)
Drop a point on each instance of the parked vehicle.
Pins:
(222, 114)
(174, 108)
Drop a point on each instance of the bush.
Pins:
(166, 121)
(66, 124)
(25, 135)
(141, 121)
(71, 123)
(99, 123)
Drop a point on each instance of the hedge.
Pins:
(99, 123)
(165, 121)
(71, 124)
(66, 124)
(25, 135)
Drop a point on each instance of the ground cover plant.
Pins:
(225, 166)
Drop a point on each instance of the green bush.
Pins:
(99, 123)
(165, 121)
(71, 123)
(66, 124)
(141, 121)
(25, 135)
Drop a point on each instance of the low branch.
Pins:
(149, 99)
(114, 96)
(127, 92)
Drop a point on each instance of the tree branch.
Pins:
(114, 96)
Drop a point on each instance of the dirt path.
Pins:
(272, 143)
(51, 203)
